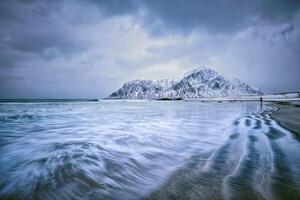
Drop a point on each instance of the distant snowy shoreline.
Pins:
(276, 97)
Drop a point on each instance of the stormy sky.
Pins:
(88, 49)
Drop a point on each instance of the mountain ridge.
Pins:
(202, 82)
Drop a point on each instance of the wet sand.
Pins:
(288, 116)
(259, 160)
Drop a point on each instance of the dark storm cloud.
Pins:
(278, 9)
(33, 26)
(219, 15)
(37, 26)
(46, 43)
(116, 7)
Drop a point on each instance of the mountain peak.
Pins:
(200, 69)
(200, 75)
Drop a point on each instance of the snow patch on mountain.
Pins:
(202, 82)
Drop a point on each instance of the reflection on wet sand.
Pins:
(258, 161)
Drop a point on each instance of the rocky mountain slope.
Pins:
(202, 82)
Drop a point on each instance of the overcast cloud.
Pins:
(88, 49)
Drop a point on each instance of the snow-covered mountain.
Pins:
(202, 82)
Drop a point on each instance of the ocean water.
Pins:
(145, 150)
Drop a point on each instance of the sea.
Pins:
(115, 149)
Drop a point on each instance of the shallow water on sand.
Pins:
(152, 150)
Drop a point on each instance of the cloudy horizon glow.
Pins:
(88, 49)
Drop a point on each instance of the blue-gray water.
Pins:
(153, 150)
